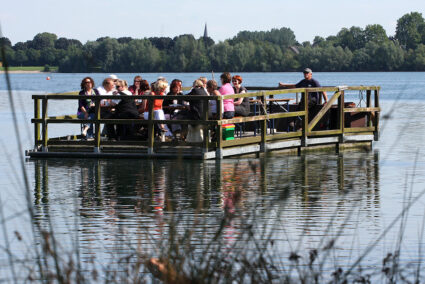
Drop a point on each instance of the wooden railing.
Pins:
(41, 119)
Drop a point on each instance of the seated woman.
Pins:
(241, 104)
(227, 89)
(124, 109)
(86, 107)
(145, 90)
(136, 89)
(212, 104)
(159, 88)
(195, 109)
(175, 90)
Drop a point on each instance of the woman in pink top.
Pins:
(227, 89)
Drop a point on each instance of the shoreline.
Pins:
(22, 71)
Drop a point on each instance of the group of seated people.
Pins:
(163, 109)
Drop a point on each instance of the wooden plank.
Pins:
(97, 125)
(341, 106)
(362, 109)
(326, 132)
(263, 125)
(376, 118)
(305, 120)
(353, 138)
(67, 116)
(323, 140)
(124, 121)
(287, 135)
(36, 125)
(284, 144)
(151, 129)
(241, 141)
(368, 104)
(359, 129)
(205, 128)
(242, 150)
(44, 122)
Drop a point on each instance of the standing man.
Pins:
(307, 82)
(313, 97)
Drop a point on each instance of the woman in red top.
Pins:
(159, 90)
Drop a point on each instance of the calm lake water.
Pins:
(305, 200)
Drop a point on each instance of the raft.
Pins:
(276, 124)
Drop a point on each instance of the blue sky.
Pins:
(87, 20)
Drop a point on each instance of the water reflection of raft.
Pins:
(275, 123)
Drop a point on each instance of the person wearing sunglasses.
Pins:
(136, 89)
(241, 104)
(86, 106)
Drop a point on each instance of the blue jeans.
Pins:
(90, 125)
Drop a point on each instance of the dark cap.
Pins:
(307, 70)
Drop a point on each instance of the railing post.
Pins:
(44, 125)
(219, 131)
(368, 104)
(341, 106)
(36, 124)
(151, 127)
(263, 146)
(97, 125)
(205, 127)
(305, 119)
(376, 122)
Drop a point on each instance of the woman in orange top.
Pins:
(159, 90)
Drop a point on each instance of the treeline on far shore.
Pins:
(277, 50)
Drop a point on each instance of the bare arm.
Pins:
(238, 102)
(286, 86)
(325, 97)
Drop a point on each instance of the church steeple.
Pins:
(205, 31)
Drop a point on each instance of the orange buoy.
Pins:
(47, 78)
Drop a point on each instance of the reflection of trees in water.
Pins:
(114, 196)
(151, 185)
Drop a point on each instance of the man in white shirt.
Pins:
(107, 89)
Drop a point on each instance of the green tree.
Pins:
(64, 43)
(418, 63)
(33, 57)
(43, 40)
(388, 56)
(107, 54)
(4, 41)
(408, 30)
(20, 46)
(360, 61)
(139, 55)
(48, 56)
(353, 38)
(375, 33)
(20, 58)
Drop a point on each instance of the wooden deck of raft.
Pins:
(265, 139)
